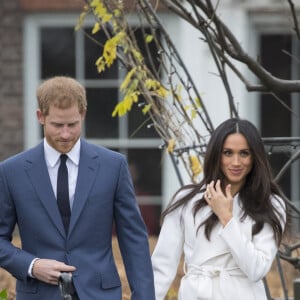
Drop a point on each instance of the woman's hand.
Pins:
(221, 204)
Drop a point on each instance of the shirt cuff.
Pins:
(31, 267)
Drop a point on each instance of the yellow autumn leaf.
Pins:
(198, 102)
(80, 20)
(100, 11)
(110, 48)
(106, 18)
(177, 96)
(162, 92)
(151, 84)
(119, 110)
(117, 13)
(96, 28)
(126, 104)
(193, 114)
(134, 97)
(149, 38)
(171, 145)
(127, 79)
(94, 3)
(100, 63)
(110, 52)
(146, 108)
(195, 165)
(177, 93)
(137, 54)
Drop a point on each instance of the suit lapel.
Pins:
(87, 170)
(36, 168)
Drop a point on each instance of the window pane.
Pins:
(57, 51)
(279, 64)
(99, 121)
(145, 168)
(140, 125)
(93, 46)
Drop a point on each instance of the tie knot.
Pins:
(63, 158)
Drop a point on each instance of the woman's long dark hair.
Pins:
(255, 195)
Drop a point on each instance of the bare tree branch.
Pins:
(206, 19)
(294, 15)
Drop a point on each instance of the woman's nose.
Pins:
(236, 159)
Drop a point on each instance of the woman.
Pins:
(229, 226)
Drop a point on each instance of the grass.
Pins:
(8, 282)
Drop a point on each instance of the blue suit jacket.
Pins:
(104, 194)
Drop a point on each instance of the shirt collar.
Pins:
(52, 156)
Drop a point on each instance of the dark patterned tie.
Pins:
(63, 201)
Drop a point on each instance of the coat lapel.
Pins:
(36, 168)
(87, 170)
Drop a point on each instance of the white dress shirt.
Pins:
(52, 158)
(53, 161)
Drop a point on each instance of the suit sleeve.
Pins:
(133, 238)
(13, 259)
(167, 253)
(260, 251)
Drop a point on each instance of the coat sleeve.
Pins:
(254, 257)
(167, 253)
(133, 238)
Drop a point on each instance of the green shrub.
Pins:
(3, 295)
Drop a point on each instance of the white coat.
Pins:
(230, 266)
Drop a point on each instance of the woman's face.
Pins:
(236, 160)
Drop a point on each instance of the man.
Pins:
(65, 209)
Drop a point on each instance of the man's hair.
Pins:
(62, 92)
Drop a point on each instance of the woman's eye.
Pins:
(245, 153)
(226, 152)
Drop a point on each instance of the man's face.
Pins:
(62, 127)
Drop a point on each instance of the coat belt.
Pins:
(200, 277)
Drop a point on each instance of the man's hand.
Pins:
(49, 270)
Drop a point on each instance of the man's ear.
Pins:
(40, 117)
(83, 114)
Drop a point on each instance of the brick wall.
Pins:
(11, 85)
(53, 5)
